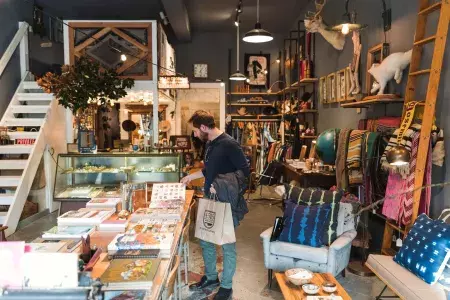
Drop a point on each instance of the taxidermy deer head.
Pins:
(314, 23)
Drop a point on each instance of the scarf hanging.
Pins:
(341, 159)
(357, 137)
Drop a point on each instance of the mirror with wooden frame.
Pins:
(375, 55)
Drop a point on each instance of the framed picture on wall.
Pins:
(257, 69)
(331, 88)
(375, 55)
(348, 84)
(341, 87)
(323, 89)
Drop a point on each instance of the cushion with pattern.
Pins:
(444, 280)
(312, 197)
(426, 249)
(305, 224)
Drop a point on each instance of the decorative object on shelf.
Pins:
(340, 86)
(257, 35)
(164, 126)
(323, 90)
(257, 69)
(242, 111)
(86, 141)
(238, 76)
(270, 110)
(326, 145)
(354, 87)
(173, 82)
(391, 68)
(83, 83)
(331, 88)
(314, 23)
(349, 24)
(200, 71)
(181, 142)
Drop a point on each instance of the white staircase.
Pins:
(25, 118)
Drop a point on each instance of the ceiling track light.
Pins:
(258, 35)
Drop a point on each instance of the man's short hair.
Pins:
(202, 117)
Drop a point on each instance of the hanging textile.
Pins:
(357, 137)
(370, 165)
(406, 142)
(387, 125)
(341, 159)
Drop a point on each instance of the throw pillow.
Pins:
(311, 197)
(425, 251)
(445, 277)
(305, 224)
(346, 218)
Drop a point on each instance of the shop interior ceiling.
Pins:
(185, 17)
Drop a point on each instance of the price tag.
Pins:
(399, 243)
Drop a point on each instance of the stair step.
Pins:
(431, 8)
(16, 149)
(29, 109)
(6, 199)
(23, 135)
(421, 72)
(23, 122)
(34, 97)
(31, 85)
(9, 181)
(425, 41)
(3, 217)
(13, 164)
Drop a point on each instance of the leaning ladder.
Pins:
(434, 73)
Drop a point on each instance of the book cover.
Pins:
(128, 295)
(67, 232)
(45, 247)
(60, 270)
(166, 204)
(126, 271)
(168, 191)
(140, 241)
(154, 226)
(11, 271)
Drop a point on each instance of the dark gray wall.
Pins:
(11, 12)
(212, 48)
(400, 38)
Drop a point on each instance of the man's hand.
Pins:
(212, 190)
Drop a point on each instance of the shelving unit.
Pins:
(251, 104)
(252, 94)
(372, 100)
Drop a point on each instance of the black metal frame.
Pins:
(380, 296)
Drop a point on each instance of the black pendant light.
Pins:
(398, 156)
(238, 76)
(349, 23)
(258, 35)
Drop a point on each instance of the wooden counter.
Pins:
(102, 239)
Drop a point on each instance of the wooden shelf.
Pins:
(252, 94)
(371, 100)
(254, 116)
(251, 104)
(304, 111)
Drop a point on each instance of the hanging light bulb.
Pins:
(278, 60)
(258, 35)
(222, 84)
(123, 57)
(345, 29)
(247, 80)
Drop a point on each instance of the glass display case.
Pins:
(81, 177)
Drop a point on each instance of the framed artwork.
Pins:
(257, 69)
(348, 84)
(200, 71)
(375, 55)
(331, 88)
(323, 89)
(341, 88)
(181, 142)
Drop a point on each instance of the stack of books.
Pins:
(142, 241)
(156, 214)
(67, 232)
(84, 217)
(113, 225)
(104, 203)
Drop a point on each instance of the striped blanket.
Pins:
(356, 140)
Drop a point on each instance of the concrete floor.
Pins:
(250, 281)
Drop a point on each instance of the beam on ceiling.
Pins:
(177, 14)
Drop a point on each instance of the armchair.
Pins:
(281, 256)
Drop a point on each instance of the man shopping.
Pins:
(223, 155)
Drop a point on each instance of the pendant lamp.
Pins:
(238, 76)
(398, 156)
(349, 24)
(258, 35)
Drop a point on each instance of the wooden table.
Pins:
(102, 239)
(309, 179)
(293, 292)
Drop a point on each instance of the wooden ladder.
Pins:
(434, 73)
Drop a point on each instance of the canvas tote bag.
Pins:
(214, 222)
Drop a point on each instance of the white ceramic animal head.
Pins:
(313, 24)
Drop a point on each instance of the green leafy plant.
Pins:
(83, 83)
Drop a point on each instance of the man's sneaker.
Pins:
(204, 283)
(223, 294)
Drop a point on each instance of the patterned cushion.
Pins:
(444, 280)
(313, 197)
(305, 224)
(346, 219)
(426, 249)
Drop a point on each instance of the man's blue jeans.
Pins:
(229, 262)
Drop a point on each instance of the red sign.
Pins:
(25, 141)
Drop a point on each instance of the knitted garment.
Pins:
(357, 138)
(394, 197)
(406, 208)
(341, 159)
(406, 142)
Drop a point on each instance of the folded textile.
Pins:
(387, 125)
(357, 138)
(341, 159)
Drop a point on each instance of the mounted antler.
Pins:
(314, 23)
